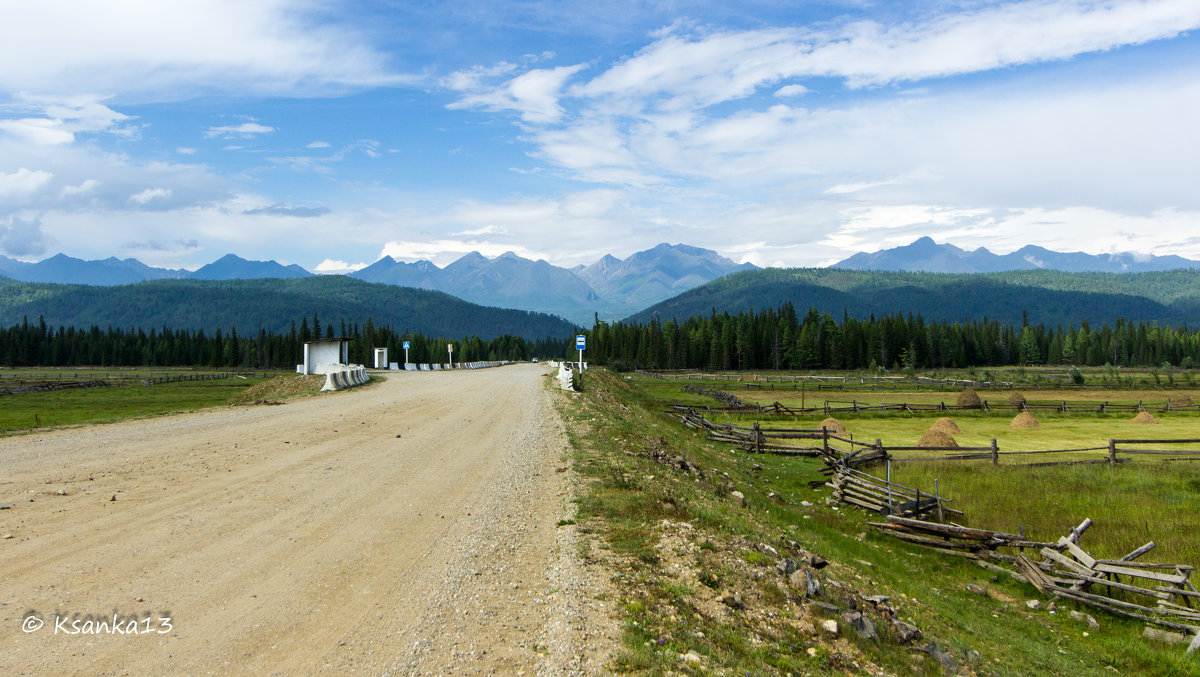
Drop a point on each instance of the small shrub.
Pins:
(1076, 375)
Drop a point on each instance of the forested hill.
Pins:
(1047, 297)
(269, 304)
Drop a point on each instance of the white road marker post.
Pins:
(450, 349)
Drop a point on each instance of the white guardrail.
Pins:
(348, 377)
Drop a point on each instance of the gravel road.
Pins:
(407, 527)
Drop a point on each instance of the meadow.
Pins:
(632, 499)
(127, 398)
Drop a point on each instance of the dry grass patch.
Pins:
(936, 438)
(946, 425)
(1145, 417)
(969, 399)
(1024, 420)
(833, 425)
(279, 388)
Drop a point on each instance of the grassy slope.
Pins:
(1061, 297)
(272, 304)
(668, 600)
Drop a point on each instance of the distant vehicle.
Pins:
(535, 359)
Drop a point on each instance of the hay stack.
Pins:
(835, 426)
(936, 438)
(1184, 401)
(946, 425)
(1016, 398)
(969, 399)
(1024, 420)
(1145, 417)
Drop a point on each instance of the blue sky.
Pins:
(329, 134)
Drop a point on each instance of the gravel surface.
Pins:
(408, 527)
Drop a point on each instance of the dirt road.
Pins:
(407, 527)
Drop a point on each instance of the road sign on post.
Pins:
(450, 349)
(406, 353)
(581, 343)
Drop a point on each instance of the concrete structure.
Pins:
(324, 356)
(381, 361)
(346, 377)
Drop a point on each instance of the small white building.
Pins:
(324, 356)
(381, 358)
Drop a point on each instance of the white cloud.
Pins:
(791, 90)
(23, 182)
(149, 195)
(184, 150)
(133, 48)
(337, 267)
(486, 230)
(246, 129)
(445, 251)
(534, 94)
(84, 188)
(318, 144)
(38, 131)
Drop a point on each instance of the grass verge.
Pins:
(105, 404)
(700, 538)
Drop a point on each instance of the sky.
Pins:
(782, 133)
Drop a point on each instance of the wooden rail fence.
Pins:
(824, 442)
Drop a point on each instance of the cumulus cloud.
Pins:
(150, 195)
(84, 188)
(23, 182)
(446, 251)
(23, 237)
(337, 267)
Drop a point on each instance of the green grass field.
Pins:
(629, 495)
(103, 404)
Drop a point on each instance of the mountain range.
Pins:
(1016, 296)
(63, 269)
(925, 255)
(678, 280)
(611, 287)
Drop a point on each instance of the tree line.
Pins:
(34, 344)
(779, 339)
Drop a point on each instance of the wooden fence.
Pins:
(1067, 571)
(797, 380)
(824, 442)
(831, 407)
(30, 385)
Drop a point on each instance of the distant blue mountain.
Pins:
(232, 267)
(63, 268)
(611, 287)
(925, 255)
